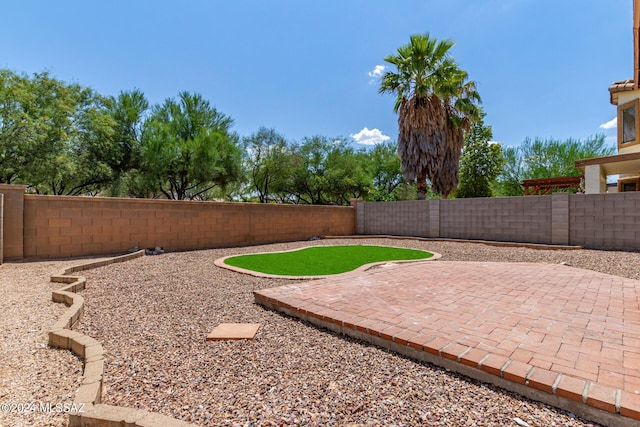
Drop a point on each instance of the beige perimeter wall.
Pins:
(35, 226)
(59, 226)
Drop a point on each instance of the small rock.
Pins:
(520, 422)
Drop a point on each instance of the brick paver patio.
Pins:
(569, 333)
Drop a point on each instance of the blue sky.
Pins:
(307, 67)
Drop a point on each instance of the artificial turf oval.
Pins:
(323, 260)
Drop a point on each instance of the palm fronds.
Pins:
(436, 104)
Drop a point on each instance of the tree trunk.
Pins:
(422, 187)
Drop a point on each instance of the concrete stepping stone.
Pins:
(234, 331)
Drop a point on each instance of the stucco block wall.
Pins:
(36, 226)
(58, 226)
(515, 219)
(605, 221)
(509, 219)
(598, 221)
(406, 218)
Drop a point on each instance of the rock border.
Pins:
(91, 412)
(220, 262)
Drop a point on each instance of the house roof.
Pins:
(612, 165)
(620, 86)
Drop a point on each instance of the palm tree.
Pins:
(436, 104)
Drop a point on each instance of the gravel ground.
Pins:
(153, 314)
(31, 373)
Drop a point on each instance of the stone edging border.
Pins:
(62, 335)
(440, 239)
(220, 263)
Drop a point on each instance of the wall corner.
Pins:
(12, 221)
(358, 205)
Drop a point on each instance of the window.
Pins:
(629, 184)
(628, 124)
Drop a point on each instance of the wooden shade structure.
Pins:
(541, 186)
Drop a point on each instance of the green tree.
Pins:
(481, 162)
(55, 137)
(269, 163)
(325, 171)
(75, 132)
(546, 158)
(385, 171)
(20, 137)
(128, 110)
(188, 148)
(436, 104)
(509, 180)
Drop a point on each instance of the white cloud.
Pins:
(495, 142)
(376, 73)
(369, 137)
(613, 123)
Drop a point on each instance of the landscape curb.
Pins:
(220, 262)
(90, 411)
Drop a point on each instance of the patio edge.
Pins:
(594, 402)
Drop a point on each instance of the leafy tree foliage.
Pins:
(386, 172)
(188, 148)
(436, 104)
(546, 158)
(56, 137)
(80, 164)
(269, 162)
(321, 170)
(129, 110)
(481, 162)
(513, 172)
(60, 138)
(19, 136)
(325, 171)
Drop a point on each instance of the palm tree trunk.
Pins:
(422, 187)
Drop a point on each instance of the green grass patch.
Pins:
(323, 260)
